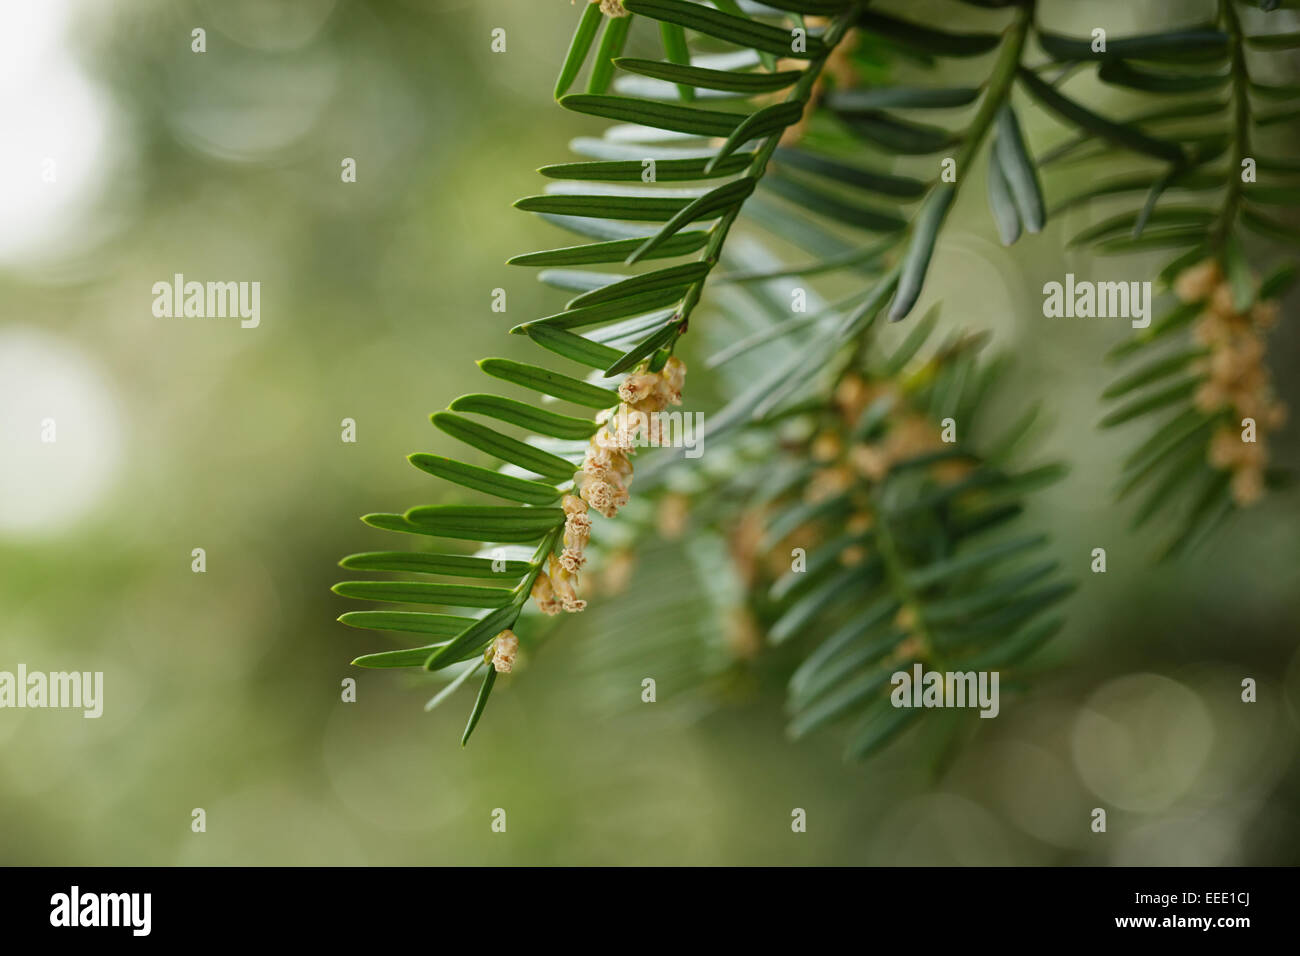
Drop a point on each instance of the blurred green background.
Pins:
(223, 688)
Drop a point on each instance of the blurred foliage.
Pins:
(222, 689)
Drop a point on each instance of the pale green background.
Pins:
(223, 688)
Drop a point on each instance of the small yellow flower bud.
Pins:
(622, 466)
(636, 387)
(826, 447)
(853, 555)
(565, 583)
(1209, 397)
(852, 396)
(674, 378)
(600, 495)
(577, 532)
(544, 594)
(504, 648)
(872, 461)
(1221, 301)
(860, 522)
(1196, 283)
